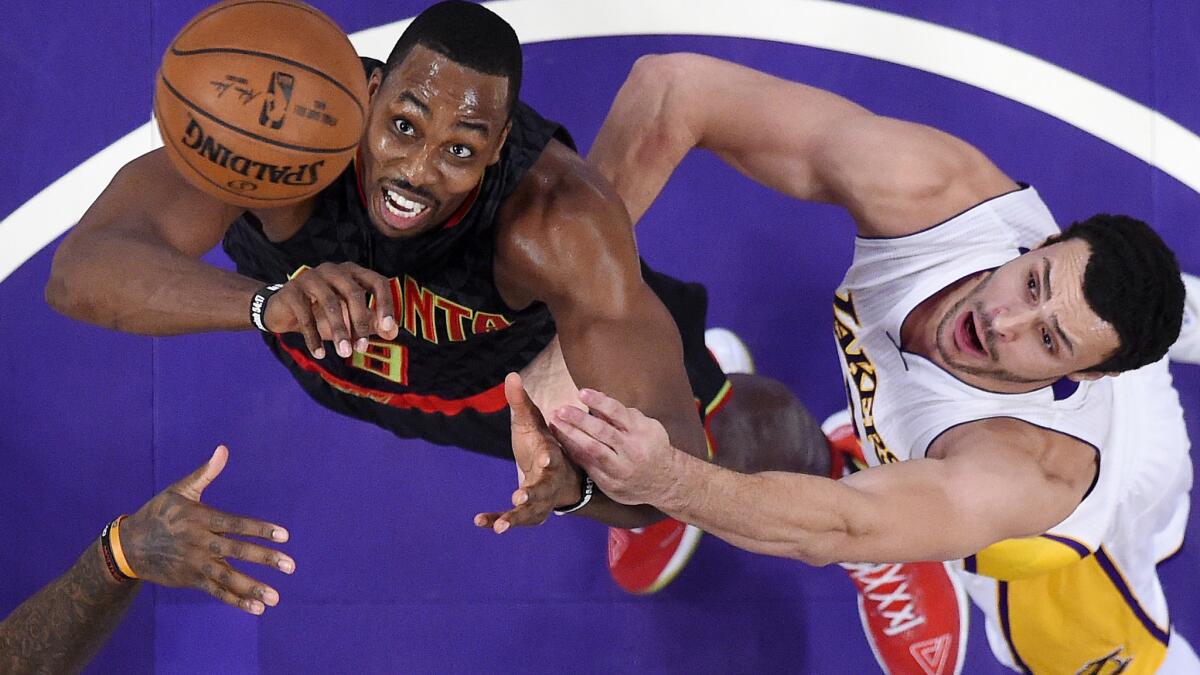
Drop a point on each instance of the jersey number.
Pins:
(385, 359)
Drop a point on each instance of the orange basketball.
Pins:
(261, 103)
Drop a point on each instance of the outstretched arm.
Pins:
(567, 242)
(173, 540)
(62, 627)
(992, 480)
(893, 176)
(133, 264)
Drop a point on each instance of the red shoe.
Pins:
(846, 456)
(645, 560)
(914, 616)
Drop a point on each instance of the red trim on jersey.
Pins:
(454, 218)
(486, 402)
(458, 215)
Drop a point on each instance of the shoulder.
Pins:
(560, 185)
(562, 230)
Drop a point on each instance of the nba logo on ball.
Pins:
(275, 105)
(227, 111)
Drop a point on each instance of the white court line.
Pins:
(1095, 109)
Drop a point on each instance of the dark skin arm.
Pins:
(566, 241)
(132, 264)
(173, 540)
(62, 627)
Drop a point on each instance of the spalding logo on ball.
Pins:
(261, 103)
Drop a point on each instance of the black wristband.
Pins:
(258, 305)
(586, 489)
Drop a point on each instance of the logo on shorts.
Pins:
(1109, 664)
(275, 103)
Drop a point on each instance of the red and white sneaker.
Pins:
(915, 615)
(645, 560)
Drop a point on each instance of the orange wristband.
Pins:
(117, 551)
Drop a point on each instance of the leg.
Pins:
(763, 427)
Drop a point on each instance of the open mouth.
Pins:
(966, 334)
(400, 212)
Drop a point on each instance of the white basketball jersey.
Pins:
(901, 402)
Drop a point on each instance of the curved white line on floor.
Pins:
(1102, 112)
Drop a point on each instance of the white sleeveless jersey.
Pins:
(901, 402)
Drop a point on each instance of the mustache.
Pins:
(989, 334)
(401, 184)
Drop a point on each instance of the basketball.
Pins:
(260, 103)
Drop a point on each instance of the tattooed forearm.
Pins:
(59, 629)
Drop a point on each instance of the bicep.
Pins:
(148, 200)
(893, 176)
(944, 509)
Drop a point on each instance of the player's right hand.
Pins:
(328, 303)
(174, 540)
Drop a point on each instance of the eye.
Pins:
(1047, 340)
(461, 151)
(1032, 285)
(403, 126)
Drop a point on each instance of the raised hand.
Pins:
(174, 540)
(545, 478)
(328, 303)
(627, 454)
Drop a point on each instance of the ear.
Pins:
(374, 82)
(1089, 376)
(500, 144)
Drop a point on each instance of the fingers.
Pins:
(607, 408)
(527, 514)
(329, 303)
(385, 307)
(525, 414)
(193, 485)
(490, 521)
(351, 309)
(224, 547)
(219, 522)
(591, 424)
(295, 304)
(236, 589)
(582, 448)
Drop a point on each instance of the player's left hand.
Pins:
(626, 453)
(546, 479)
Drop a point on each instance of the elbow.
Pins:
(658, 71)
(816, 553)
(661, 83)
(66, 291)
(60, 292)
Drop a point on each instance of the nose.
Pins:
(417, 166)
(1007, 323)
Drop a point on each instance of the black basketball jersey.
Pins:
(457, 337)
(442, 378)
